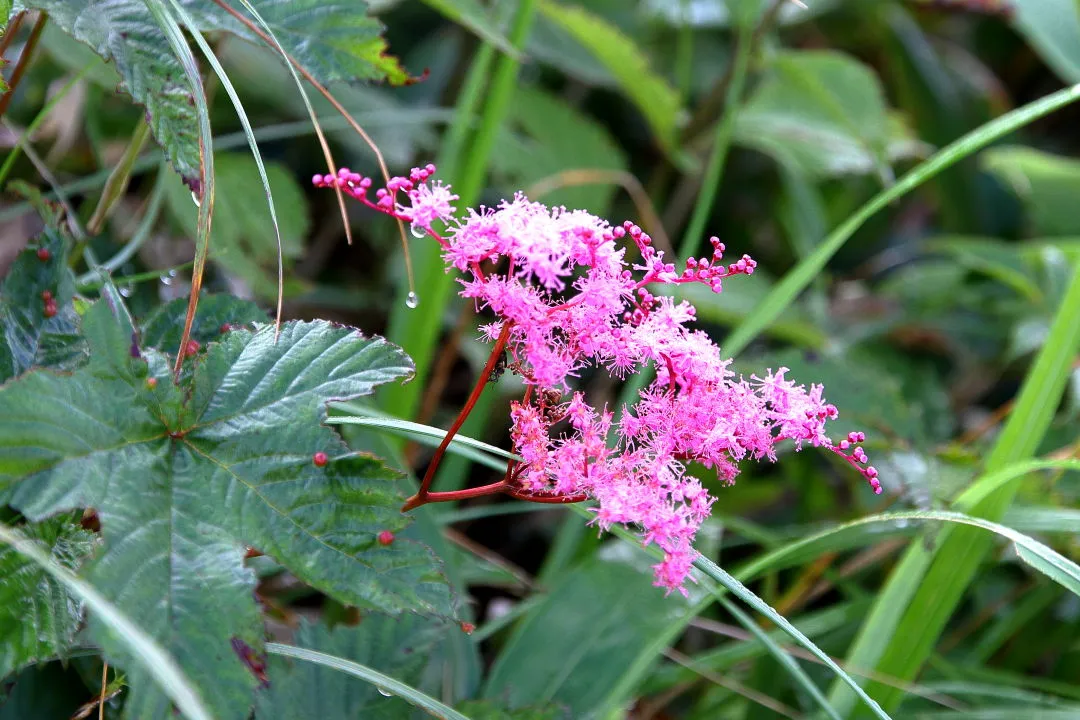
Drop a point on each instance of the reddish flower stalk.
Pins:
(565, 299)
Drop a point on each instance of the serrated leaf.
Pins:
(398, 647)
(38, 617)
(1047, 184)
(242, 236)
(184, 478)
(334, 41)
(217, 314)
(27, 337)
(654, 97)
(554, 138)
(825, 113)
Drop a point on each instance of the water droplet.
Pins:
(125, 291)
(384, 693)
(411, 300)
(172, 272)
(417, 230)
(195, 199)
(166, 279)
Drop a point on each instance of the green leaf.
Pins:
(1052, 27)
(217, 314)
(555, 138)
(158, 664)
(184, 478)
(824, 113)
(607, 611)
(38, 617)
(28, 338)
(386, 684)
(398, 647)
(335, 41)
(242, 238)
(1048, 184)
(625, 59)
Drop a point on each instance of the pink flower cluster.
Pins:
(577, 293)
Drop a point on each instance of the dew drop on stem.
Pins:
(195, 199)
(412, 300)
(384, 693)
(417, 230)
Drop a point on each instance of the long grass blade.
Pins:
(205, 194)
(249, 133)
(925, 589)
(384, 683)
(800, 277)
(158, 663)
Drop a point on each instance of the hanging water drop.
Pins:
(417, 230)
(125, 291)
(383, 692)
(166, 279)
(411, 300)
(195, 199)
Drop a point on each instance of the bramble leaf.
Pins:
(38, 617)
(334, 41)
(185, 478)
(217, 314)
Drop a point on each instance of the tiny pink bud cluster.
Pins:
(564, 294)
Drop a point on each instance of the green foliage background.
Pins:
(905, 171)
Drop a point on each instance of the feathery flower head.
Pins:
(561, 280)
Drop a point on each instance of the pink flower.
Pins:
(561, 281)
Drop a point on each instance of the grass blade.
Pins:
(158, 663)
(804, 273)
(926, 588)
(226, 83)
(384, 683)
(205, 194)
(781, 656)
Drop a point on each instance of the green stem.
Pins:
(418, 332)
(118, 180)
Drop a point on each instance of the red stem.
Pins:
(496, 352)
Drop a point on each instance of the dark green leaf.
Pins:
(1048, 185)
(398, 647)
(217, 314)
(492, 710)
(334, 41)
(29, 338)
(825, 113)
(184, 479)
(1053, 29)
(606, 613)
(38, 617)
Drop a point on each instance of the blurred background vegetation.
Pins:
(768, 125)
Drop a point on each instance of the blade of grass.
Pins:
(117, 184)
(782, 656)
(925, 589)
(226, 83)
(158, 663)
(205, 196)
(797, 280)
(384, 683)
